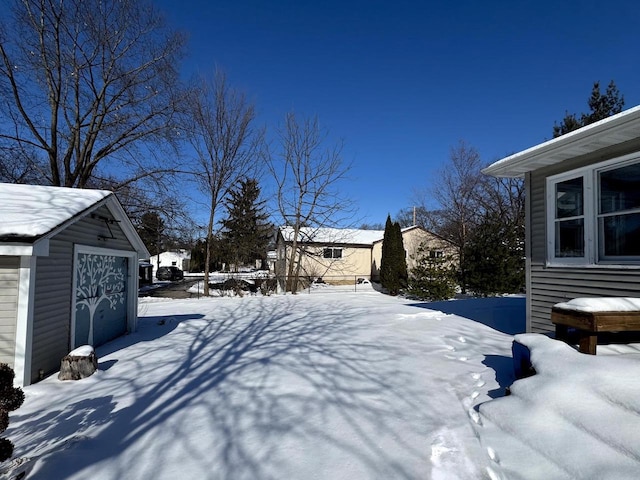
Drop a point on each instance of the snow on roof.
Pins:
(29, 211)
(333, 235)
(604, 133)
(601, 304)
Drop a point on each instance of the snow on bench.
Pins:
(588, 316)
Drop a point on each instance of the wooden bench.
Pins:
(589, 324)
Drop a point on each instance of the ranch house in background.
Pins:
(68, 274)
(582, 214)
(342, 256)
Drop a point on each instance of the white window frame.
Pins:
(591, 195)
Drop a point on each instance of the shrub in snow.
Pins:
(433, 278)
(494, 258)
(10, 399)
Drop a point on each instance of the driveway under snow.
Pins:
(335, 385)
(329, 385)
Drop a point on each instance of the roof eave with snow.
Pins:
(33, 214)
(605, 133)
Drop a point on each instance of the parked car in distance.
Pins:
(169, 273)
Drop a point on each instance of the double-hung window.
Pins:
(619, 213)
(569, 218)
(332, 253)
(593, 214)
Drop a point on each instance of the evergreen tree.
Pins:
(151, 230)
(433, 277)
(495, 255)
(601, 106)
(10, 399)
(246, 231)
(401, 255)
(393, 265)
(199, 255)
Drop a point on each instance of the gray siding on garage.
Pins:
(9, 282)
(550, 285)
(54, 277)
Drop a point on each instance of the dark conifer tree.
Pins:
(386, 262)
(433, 277)
(495, 255)
(601, 106)
(151, 230)
(393, 265)
(400, 255)
(246, 231)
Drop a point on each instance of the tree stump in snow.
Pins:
(79, 363)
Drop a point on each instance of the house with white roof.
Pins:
(176, 258)
(342, 256)
(582, 214)
(68, 274)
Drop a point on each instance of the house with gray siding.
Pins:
(582, 214)
(68, 274)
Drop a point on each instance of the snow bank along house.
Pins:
(342, 256)
(582, 214)
(68, 274)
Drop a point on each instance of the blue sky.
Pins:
(402, 82)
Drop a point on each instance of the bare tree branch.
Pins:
(307, 173)
(90, 85)
(225, 143)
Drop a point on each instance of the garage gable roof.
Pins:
(31, 213)
(611, 131)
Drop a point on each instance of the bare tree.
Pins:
(89, 89)
(307, 171)
(456, 192)
(226, 146)
(503, 198)
(465, 204)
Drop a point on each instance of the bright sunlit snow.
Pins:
(332, 385)
(602, 304)
(33, 210)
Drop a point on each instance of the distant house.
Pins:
(341, 256)
(176, 258)
(583, 214)
(68, 274)
(412, 238)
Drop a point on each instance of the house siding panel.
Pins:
(54, 278)
(9, 282)
(554, 285)
(551, 285)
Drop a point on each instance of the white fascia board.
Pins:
(39, 249)
(578, 142)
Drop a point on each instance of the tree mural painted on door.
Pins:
(101, 295)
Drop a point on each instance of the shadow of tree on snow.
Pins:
(267, 382)
(505, 314)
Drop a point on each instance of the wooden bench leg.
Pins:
(588, 342)
(561, 332)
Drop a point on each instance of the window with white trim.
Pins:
(593, 214)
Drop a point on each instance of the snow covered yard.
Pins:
(349, 385)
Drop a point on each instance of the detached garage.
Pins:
(68, 274)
